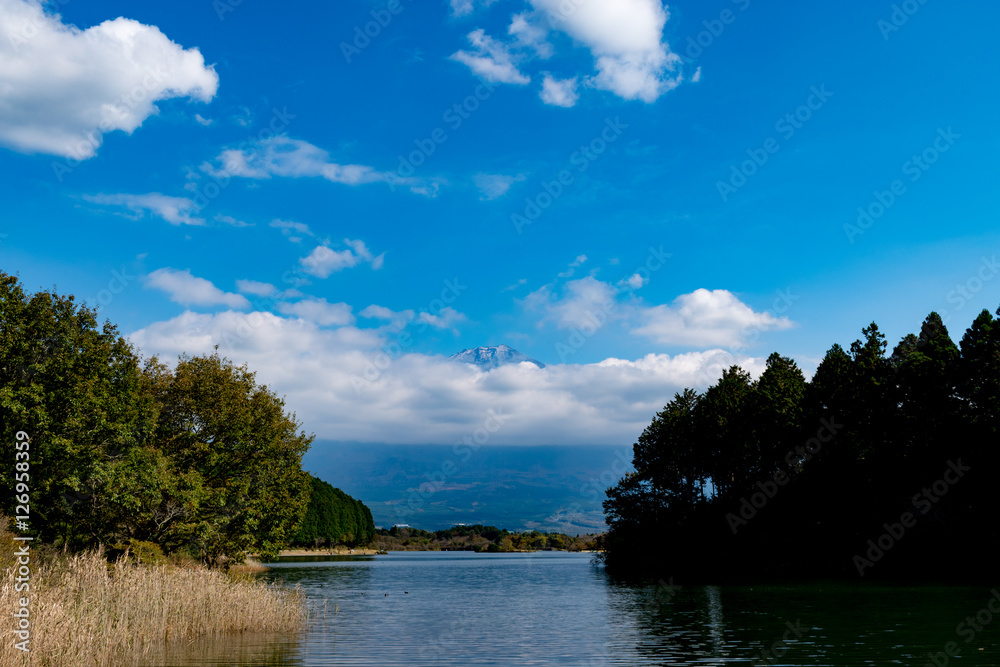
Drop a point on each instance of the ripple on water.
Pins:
(552, 608)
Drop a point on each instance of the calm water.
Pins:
(460, 608)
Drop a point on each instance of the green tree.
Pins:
(334, 517)
(725, 435)
(76, 389)
(778, 406)
(215, 420)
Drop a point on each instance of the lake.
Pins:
(554, 608)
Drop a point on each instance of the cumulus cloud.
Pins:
(490, 59)
(583, 302)
(700, 319)
(559, 92)
(319, 311)
(706, 317)
(494, 186)
(323, 260)
(64, 88)
(189, 290)
(175, 210)
(338, 383)
(626, 39)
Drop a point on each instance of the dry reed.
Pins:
(85, 612)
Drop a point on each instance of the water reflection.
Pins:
(561, 609)
(256, 650)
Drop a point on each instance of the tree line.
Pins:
(125, 451)
(881, 465)
(479, 538)
(333, 517)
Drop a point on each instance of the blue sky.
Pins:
(245, 169)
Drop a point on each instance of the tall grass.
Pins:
(87, 612)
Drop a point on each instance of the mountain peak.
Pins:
(488, 358)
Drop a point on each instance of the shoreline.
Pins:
(344, 551)
(337, 551)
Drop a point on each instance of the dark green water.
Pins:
(460, 608)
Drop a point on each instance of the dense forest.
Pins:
(480, 539)
(123, 452)
(882, 466)
(333, 517)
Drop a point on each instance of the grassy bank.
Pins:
(85, 611)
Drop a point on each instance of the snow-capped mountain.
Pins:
(488, 358)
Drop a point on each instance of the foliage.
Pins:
(781, 476)
(479, 538)
(333, 517)
(198, 458)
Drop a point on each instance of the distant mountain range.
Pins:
(489, 358)
(550, 488)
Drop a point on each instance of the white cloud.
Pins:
(189, 290)
(323, 261)
(256, 288)
(696, 77)
(491, 59)
(295, 231)
(465, 7)
(559, 92)
(704, 318)
(382, 313)
(446, 319)
(700, 319)
(571, 270)
(64, 88)
(330, 379)
(494, 186)
(231, 221)
(530, 34)
(175, 210)
(319, 311)
(396, 319)
(519, 283)
(283, 156)
(626, 40)
(635, 281)
(294, 158)
(244, 118)
(201, 120)
(585, 302)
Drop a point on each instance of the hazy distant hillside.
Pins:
(545, 488)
